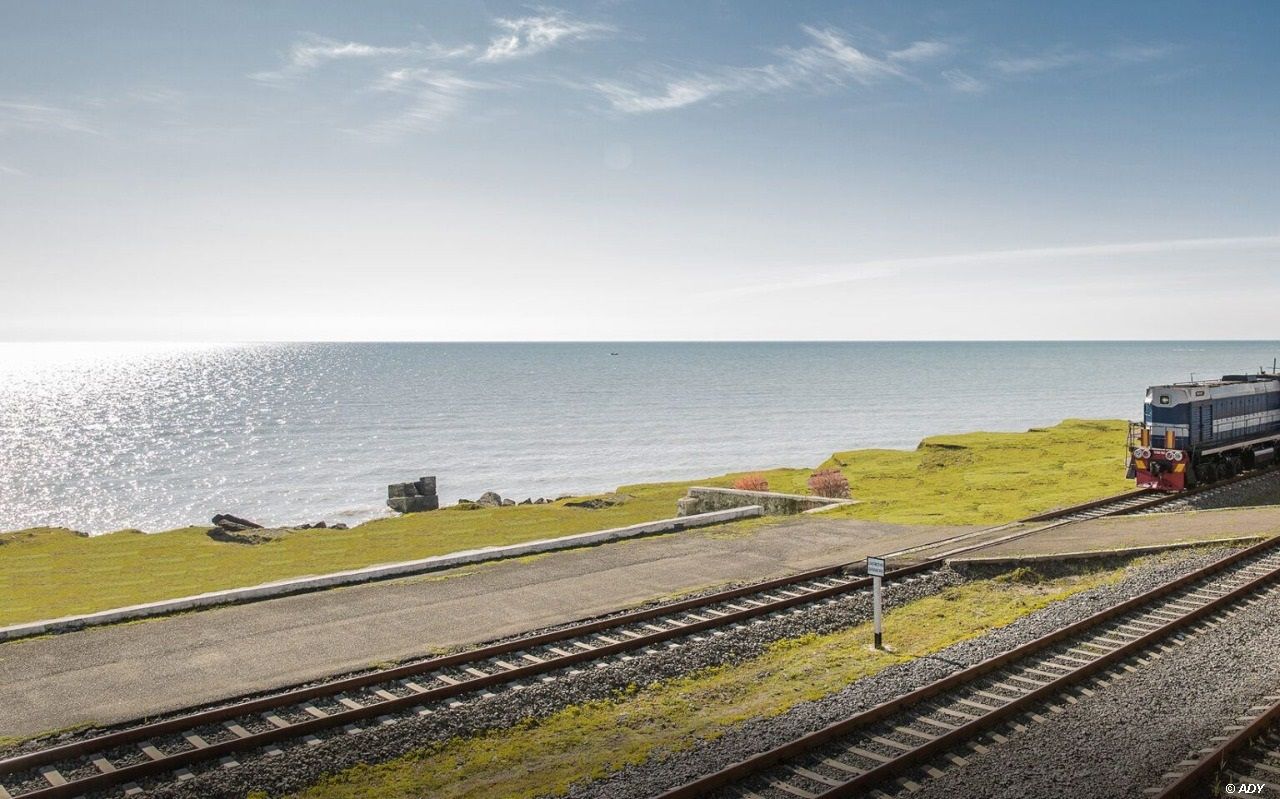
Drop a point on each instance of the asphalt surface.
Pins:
(111, 674)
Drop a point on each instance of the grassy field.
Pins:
(598, 738)
(975, 478)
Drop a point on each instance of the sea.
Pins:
(104, 436)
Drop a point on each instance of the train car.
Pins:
(1196, 433)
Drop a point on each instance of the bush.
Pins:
(751, 482)
(830, 483)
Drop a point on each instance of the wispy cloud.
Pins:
(963, 82)
(316, 51)
(1066, 58)
(434, 96)
(434, 80)
(920, 51)
(11, 171)
(889, 267)
(828, 60)
(526, 36)
(26, 115)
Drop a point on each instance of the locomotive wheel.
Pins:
(1207, 472)
(1229, 468)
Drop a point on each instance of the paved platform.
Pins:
(1147, 530)
(111, 674)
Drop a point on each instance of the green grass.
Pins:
(976, 478)
(592, 740)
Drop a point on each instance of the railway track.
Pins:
(911, 737)
(169, 748)
(1249, 753)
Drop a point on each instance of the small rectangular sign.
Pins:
(875, 567)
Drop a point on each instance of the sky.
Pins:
(621, 170)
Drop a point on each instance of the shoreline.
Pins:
(789, 473)
(966, 479)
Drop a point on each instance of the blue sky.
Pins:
(629, 170)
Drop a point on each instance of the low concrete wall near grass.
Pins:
(706, 500)
(370, 573)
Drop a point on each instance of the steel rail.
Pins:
(1208, 766)
(178, 724)
(840, 729)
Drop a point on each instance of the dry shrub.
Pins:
(830, 483)
(751, 482)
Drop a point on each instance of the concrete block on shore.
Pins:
(413, 504)
(415, 497)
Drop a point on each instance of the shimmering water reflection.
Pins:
(105, 436)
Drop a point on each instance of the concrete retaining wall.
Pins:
(705, 500)
(304, 584)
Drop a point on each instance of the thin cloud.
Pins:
(23, 115)
(435, 96)
(865, 270)
(414, 71)
(1063, 58)
(12, 171)
(527, 36)
(829, 60)
(920, 51)
(316, 51)
(963, 82)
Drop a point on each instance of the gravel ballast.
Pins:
(653, 777)
(1261, 490)
(301, 765)
(1121, 739)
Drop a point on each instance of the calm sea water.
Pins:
(100, 437)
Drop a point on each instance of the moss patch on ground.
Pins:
(975, 478)
(595, 739)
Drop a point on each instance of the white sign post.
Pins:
(875, 568)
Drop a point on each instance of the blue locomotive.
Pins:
(1195, 433)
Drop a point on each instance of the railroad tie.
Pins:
(52, 776)
(791, 789)
(842, 766)
(151, 751)
(867, 754)
(276, 721)
(914, 733)
(892, 744)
